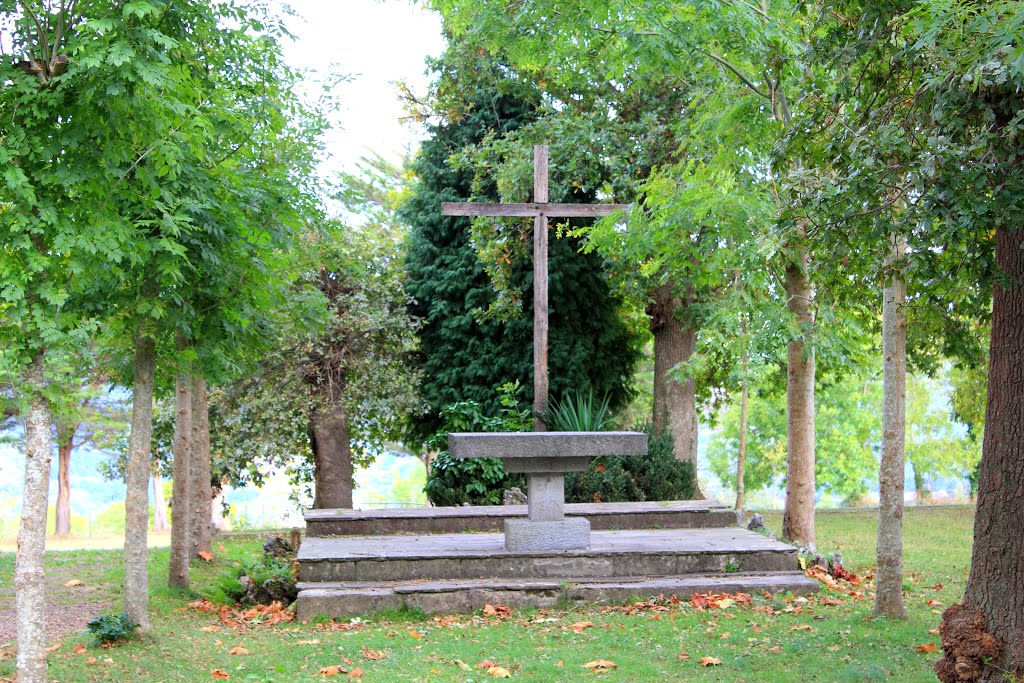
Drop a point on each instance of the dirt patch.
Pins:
(67, 611)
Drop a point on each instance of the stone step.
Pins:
(343, 599)
(648, 552)
(688, 514)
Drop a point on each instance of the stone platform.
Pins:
(687, 514)
(459, 572)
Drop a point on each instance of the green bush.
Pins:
(474, 481)
(656, 476)
(257, 582)
(579, 413)
(107, 629)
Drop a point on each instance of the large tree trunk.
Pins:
(29, 577)
(136, 504)
(65, 444)
(201, 500)
(675, 403)
(159, 504)
(798, 517)
(994, 599)
(891, 478)
(332, 457)
(180, 513)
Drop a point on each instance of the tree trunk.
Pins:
(675, 403)
(159, 504)
(741, 457)
(891, 478)
(798, 517)
(920, 490)
(995, 588)
(332, 457)
(201, 501)
(65, 444)
(180, 513)
(29, 577)
(136, 504)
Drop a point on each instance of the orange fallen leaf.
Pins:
(933, 631)
(499, 672)
(496, 610)
(777, 650)
(801, 627)
(78, 649)
(91, 661)
(486, 664)
(332, 670)
(683, 656)
(600, 467)
(306, 642)
(415, 634)
(934, 603)
(580, 626)
(206, 556)
(937, 587)
(927, 648)
(217, 673)
(210, 629)
(372, 654)
(74, 583)
(710, 661)
(221, 548)
(725, 635)
(238, 650)
(600, 665)
(355, 673)
(54, 647)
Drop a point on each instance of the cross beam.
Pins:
(540, 209)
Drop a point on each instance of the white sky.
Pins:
(378, 42)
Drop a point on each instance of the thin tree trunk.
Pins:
(180, 513)
(891, 478)
(65, 444)
(995, 588)
(675, 403)
(29, 577)
(160, 523)
(201, 501)
(332, 456)
(920, 490)
(136, 504)
(798, 517)
(741, 458)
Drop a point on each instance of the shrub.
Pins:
(579, 413)
(107, 629)
(474, 481)
(656, 476)
(258, 582)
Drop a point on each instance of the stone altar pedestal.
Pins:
(545, 457)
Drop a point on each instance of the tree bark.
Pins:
(160, 523)
(201, 501)
(798, 517)
(920, 490)
(29, 576)
(136, 504)
(741, 457)
(995, 588)
(891, 478)
(65, 444)
(180, 512)
(332, 457)
(675, 403)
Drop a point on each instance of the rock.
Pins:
(513, 496)
(756, 523)
(275, 546)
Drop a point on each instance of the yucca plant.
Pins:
(579, 413)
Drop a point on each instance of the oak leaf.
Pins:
(710, 661)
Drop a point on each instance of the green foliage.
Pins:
(464, 352)
(476, 481)
(578, 413)
(656, 476)
(108, 629)
(230, 588)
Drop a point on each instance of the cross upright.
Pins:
(540, 209)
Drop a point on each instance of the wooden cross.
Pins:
(540, 209)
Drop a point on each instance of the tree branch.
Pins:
(746, 81)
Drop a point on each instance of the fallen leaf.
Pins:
(499, 672)
(600, 467)
(217, 673)
(355, 673)
(725, 635)
(499, 611)
(108, 660)
(74, 583)
(580, 626)
(206, 556)
(683, 656)
(801, 627)
(78, 649)
(218, 643)
(221, 548)
(777, 650)
(933, 631)
(372, 654)
(332, 670)
(600, 665)
(934, 603)
(415, 634)
(462, 665)
(306, 642)
(937, 587)
(92, 660)
(927, 648)
(835, 648)
(710, 661)
(486, 664)
(54, 647)
(210, 629)
(238, 650)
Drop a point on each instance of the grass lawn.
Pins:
(771, 640)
